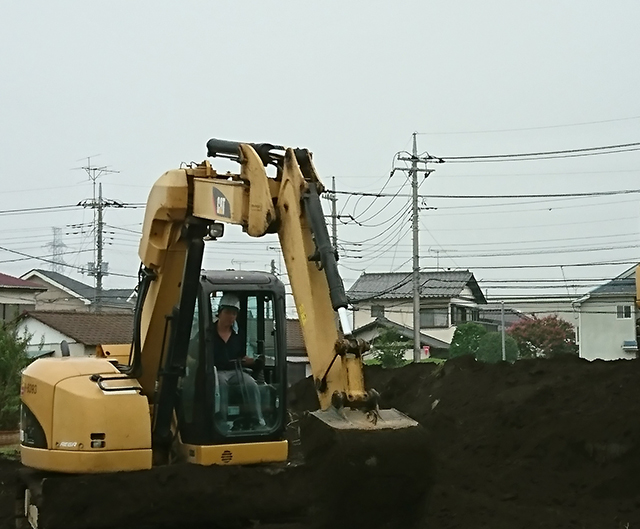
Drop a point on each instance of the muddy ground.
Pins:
(541, 443)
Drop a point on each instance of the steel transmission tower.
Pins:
(57, 247)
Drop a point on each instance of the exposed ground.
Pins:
(541, 443)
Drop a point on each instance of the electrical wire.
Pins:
(476, 197)
(580, 124)
(46, 260)
(43, 209)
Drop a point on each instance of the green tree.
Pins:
(13, 359)
(466, 339)
(389, 348)
(490, 348)
(545, 337)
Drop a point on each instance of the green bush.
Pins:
(466, 339)
(389, 348)
(13, 359)
(490, 348)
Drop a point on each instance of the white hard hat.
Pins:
(230, 301)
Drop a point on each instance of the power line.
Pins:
(50, 261)
(556, 265)
(550, 250)
(532, 128)
(585, 151)
(39, 210)
(476, 197)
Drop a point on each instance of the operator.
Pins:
(228, 351)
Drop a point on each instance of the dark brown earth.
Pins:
(541, 443)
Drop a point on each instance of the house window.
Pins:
(624, 312)
(377, 311)
(434, 317)
(459, 315)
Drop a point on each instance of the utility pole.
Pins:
(414, 170)
(334, 215)
(504, 349)
(98, 268)
(101, 266)
(437, 252)
(416, 250)
(239, 263)
(281, 270)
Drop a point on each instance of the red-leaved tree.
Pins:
(544, 337)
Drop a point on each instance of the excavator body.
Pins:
(170, 437)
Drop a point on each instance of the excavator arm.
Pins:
(185, 203)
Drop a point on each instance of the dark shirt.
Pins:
(224, 353)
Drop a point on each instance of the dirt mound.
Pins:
(8, 470)
(540, 443)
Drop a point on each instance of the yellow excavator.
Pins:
(157, 435)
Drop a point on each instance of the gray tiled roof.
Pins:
(114, 296)
(624, 284)
(398, 285)
(82, 290)
(493, 312)
(88, 328)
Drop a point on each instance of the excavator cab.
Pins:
(223, 402)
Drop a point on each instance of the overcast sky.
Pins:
(141, 86)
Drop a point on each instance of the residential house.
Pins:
(608, 319)
(16, 296)
(64, 293)
(447, 298)
(493, 313)
(83, 331)
(430, 346)
(543, 305)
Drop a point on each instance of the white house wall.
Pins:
(467, 295)
(392, 311)
(602, 333)
(403, 315)
(45, 338)
(57, 299)
(442, 334)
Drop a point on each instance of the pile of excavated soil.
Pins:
(8, 470)
(540, 443)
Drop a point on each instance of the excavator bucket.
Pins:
(352, 419)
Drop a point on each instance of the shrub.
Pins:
(13, 359)
(466, 339)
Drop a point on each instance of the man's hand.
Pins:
(247, 361)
